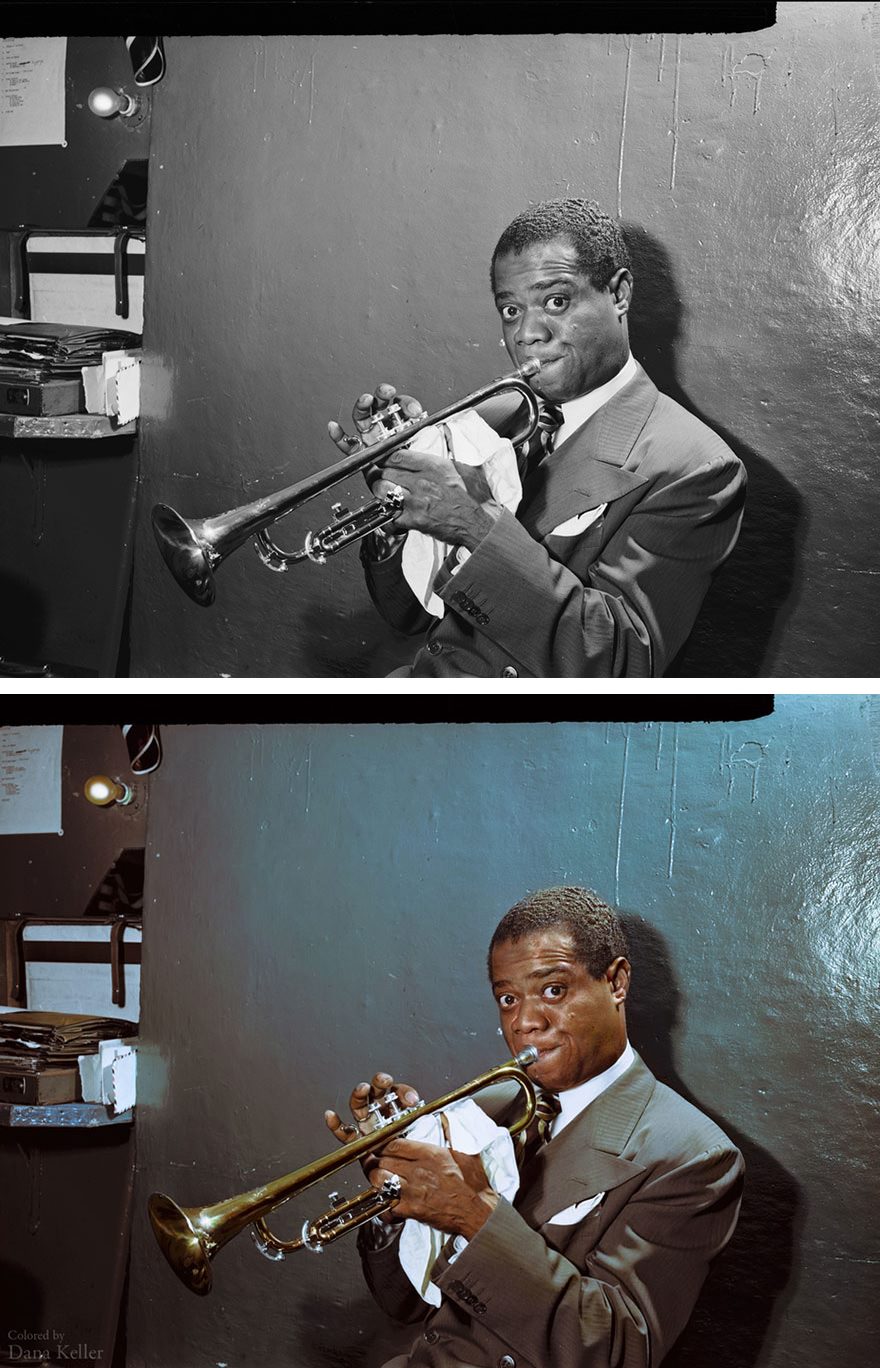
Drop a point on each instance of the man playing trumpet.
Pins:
(629, 503)
(626, 1191)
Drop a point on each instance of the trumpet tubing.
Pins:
(190, 1237)
(194, 548)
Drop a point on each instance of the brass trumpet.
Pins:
(193, 549)
(189, 1237)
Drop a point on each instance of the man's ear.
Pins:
(618, 976)
(621, 286)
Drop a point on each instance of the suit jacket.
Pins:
(618, 598)
(614, 1289)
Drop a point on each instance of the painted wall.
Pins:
(322, 214)
(319, 900)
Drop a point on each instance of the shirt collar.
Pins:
(575, 1100)
(576, 412)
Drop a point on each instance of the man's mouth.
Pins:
(544, 1051)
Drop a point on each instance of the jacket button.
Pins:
(431, 1336)
(506, 1362)
(434, 648)
(510, 672)
(482, 619)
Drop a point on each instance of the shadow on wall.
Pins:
(743, 618)
(734, 1319)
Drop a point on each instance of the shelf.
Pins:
(82, 1115)
(78, 425)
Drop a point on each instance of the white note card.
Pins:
(30, 780)
(32, 91)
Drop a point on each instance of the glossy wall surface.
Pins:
(319, 902)
(322, 213)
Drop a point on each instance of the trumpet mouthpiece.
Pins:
(530, 368)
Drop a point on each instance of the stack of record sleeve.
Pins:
(33, 352)
(33, 1041)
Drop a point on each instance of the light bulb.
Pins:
(105, 102)
(102, 791)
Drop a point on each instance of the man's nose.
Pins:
(531, 1017)
(532, 328)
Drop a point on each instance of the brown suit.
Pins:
(614, 1290)
(619, 599)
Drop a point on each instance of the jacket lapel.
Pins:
(585, 1158)
(589, 468)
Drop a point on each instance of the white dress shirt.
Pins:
(576, 412)
(574, 1100)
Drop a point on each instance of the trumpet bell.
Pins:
(186, 557)
(184, 1247)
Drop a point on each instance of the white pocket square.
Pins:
(574, 526)
(571, 1215)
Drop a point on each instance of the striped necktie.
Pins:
(547, 1108)
(550, 419)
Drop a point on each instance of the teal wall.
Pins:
(319, 900)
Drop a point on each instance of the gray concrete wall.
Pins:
(322, 213)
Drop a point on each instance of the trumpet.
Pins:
(189, 1237)
(193, 549)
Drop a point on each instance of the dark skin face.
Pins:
(548, 999)
(549, 309)
(545, 998)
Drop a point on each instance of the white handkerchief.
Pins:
(571, 1215)
(473, 442)
(472, 1132)
(575, 526)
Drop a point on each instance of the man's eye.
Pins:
(554, 990)
(509, 312)
(505, 1000)
(557, 303)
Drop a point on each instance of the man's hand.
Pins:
(366, 411)
(441, 498)
(360, 1099)
(443, 1188)
(358, 1102)
(436, 498)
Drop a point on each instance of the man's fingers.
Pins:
(368, 405)
(340, 438)
(343, 1130)
(362, 414)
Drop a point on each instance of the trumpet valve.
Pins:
(388, 421)
(380, 1113)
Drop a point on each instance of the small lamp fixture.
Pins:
(102, 791)
(107, 102)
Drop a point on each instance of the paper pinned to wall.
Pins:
(32, 91)
(30, 780)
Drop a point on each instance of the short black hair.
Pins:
(595, 927)
(600, 245)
